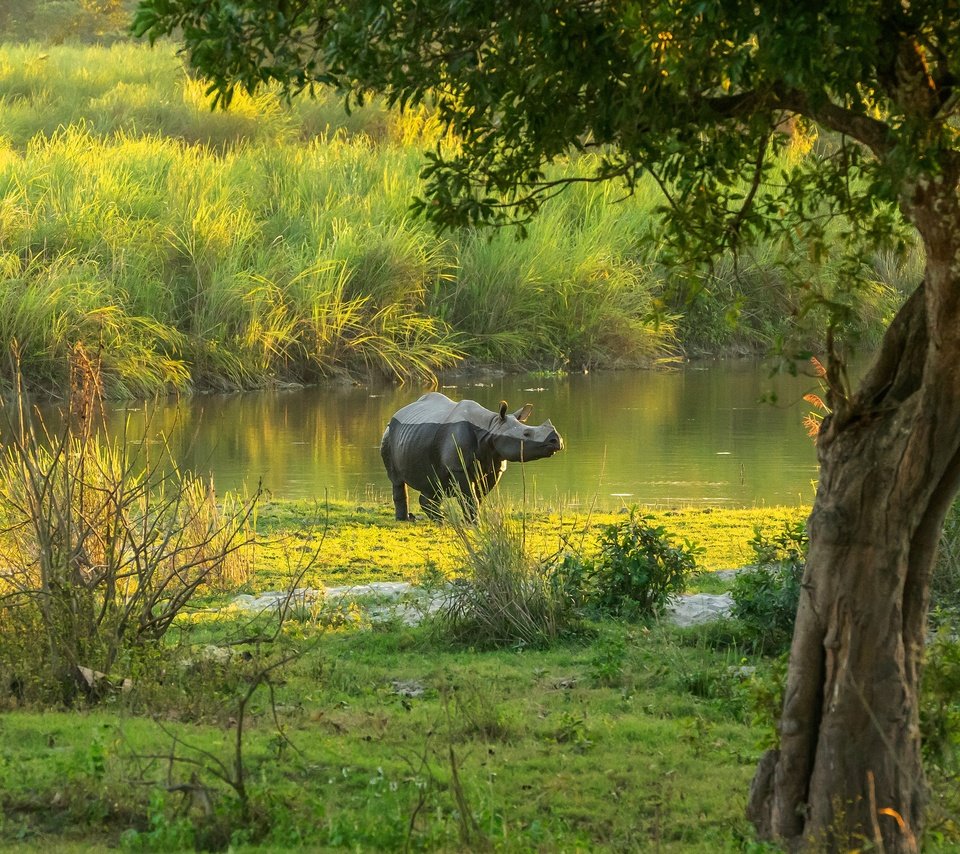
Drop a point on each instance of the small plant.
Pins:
(765, 698)
(765, 598)
(572, 730)
(607, 663)
(162, 833)
(636, 573)
(505, 597)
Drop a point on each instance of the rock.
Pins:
(407, 688)
(399, 600)
(273, 599)
(699, 608)
(390, 590)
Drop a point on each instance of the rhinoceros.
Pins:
(443, 447)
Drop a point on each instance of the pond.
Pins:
(697, 434)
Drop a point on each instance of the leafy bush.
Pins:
(945, 585)
(635, 574)
(765, 598)
(940, 699)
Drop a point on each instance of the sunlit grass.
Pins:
(273, 243)
(357, 543)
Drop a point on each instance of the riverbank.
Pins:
(192, 250)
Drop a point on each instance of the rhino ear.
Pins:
(523, 414)
(503, 410)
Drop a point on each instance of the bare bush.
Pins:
(102, 545)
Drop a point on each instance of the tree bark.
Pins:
(848, 771)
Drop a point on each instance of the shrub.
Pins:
(505, 597)
(945, 585)
(635, 574)
(940, 699)
(101, 548)
(765, 598)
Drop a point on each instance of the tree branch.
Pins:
(871, 132)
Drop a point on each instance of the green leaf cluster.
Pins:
(766, 596)
(637, 571)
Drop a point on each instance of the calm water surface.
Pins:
(692, 435)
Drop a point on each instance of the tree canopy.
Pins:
(689, 91)
(696, 94)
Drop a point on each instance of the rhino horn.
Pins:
(503, 410)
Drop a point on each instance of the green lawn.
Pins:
(380, 737)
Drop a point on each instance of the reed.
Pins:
(214, 250)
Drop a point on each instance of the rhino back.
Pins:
(437, 408)
(433, 436)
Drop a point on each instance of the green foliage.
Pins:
(940, 732)
(293, 255)
(940, 701)
(504, 597)
(637, 571)
(711, 88)
(57, 21)
(766, 596)
(765, 693)
(945, 585)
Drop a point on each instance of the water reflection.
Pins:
(697, 434)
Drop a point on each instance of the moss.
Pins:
(358, 544)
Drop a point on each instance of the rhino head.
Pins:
(516, 441)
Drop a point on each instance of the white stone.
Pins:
(699, 608)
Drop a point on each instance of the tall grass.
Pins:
(505, 596)
(199, 249)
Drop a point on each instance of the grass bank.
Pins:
(332, 733)
(201, 250)
(384, 737)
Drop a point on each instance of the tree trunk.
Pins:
(848, 771)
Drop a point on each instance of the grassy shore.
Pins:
(334, 732)
(383, 737)
(210, 250)
(361, 542)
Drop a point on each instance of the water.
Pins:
(696, 435)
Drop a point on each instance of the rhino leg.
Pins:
(401, 503)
